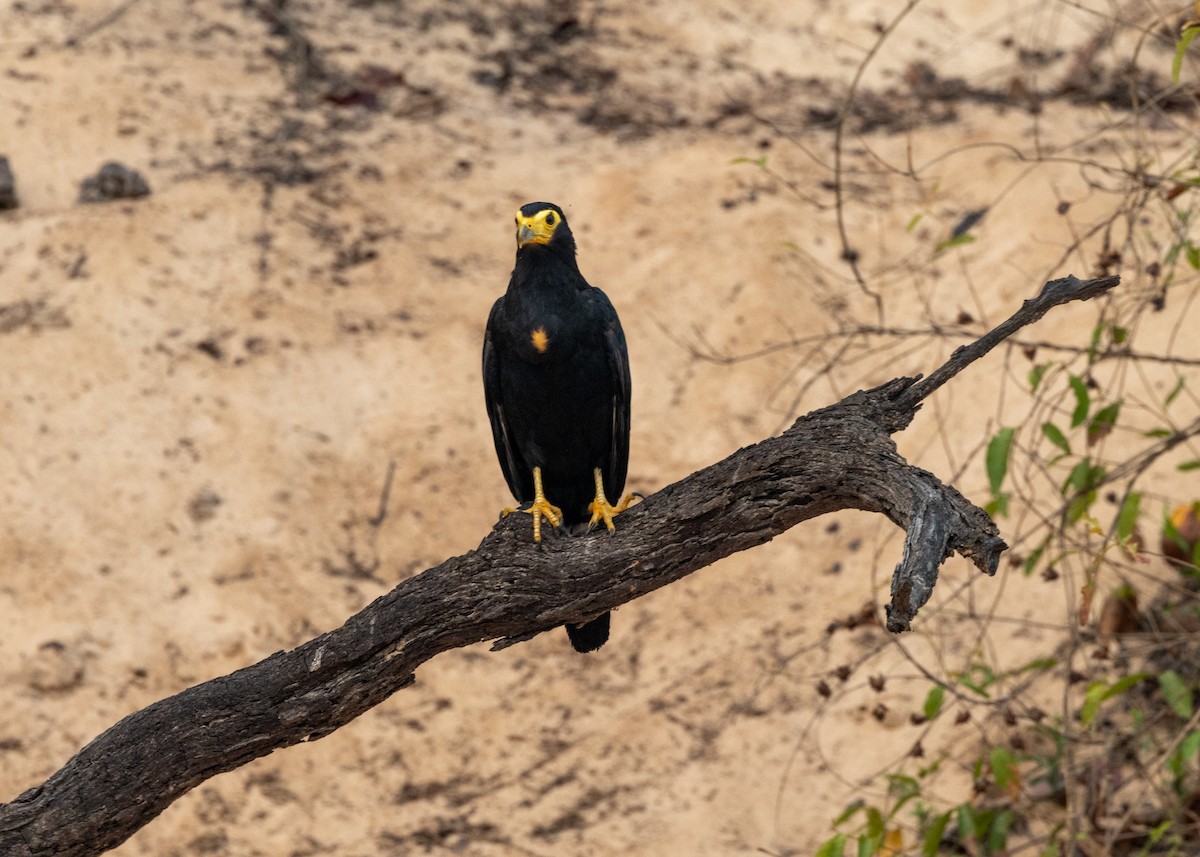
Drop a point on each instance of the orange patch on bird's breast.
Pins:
(540, 340)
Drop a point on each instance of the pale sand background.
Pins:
(341, 320)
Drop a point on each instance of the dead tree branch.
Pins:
(840, 457)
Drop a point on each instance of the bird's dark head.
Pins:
(543, 224)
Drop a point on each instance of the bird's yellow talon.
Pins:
(539, 508)
(604, 511)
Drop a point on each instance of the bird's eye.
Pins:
(550, 219)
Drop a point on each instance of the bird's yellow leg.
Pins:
(539, 507)
(601, 509)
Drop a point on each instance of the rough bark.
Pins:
(840, 457)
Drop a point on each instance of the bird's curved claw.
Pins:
(539, 508)
(604, 511)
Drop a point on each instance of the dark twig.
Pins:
(1053, 294)
(840, 457)
(711, 355)
(301, 54)
(380, 516)
(106, 21)
(850, 253)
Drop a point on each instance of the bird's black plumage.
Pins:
(556, 381)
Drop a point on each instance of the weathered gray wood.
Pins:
(840, 457)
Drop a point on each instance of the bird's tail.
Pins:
(590, 636)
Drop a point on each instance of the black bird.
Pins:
(556, 383)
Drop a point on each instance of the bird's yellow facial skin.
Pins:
(538, 229)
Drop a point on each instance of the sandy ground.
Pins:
(202, 389)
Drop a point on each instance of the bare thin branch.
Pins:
(1054, 293)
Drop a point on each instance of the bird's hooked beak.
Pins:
(526, 235)
(532, 230)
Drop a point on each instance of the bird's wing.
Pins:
(618, 364)
(516, 473)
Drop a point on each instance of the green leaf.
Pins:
(932, 841)
(997, 507)
(954, 241)
(1077, 479)
(868, 844)
(1181, 46)
(998, 451)
(997, 840)
(1054, 434)
(1119, 334)
(1098, 693)
(912, 224)
(902, 786)
(1080, 487)
(1079, 506)
(1193, 255)
(968, 827)
(1128, 516)
(903, 789)
(1102, 423)
(1036, 374)
(1177, 693)
(1036, 665)
(875, 823)
(1172, 254)
(1123, 684)
(848, 813)
(1033, 559)
(1107, 416)
(1158, 432)
(930, 769)
(1175, 391)
(1091, 702)
(1194, 464)
(1004, 766)
(1184, 753)
(833, 847)
(1083, 400)
(977, 678)
(1157, 832)
(933, 701)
